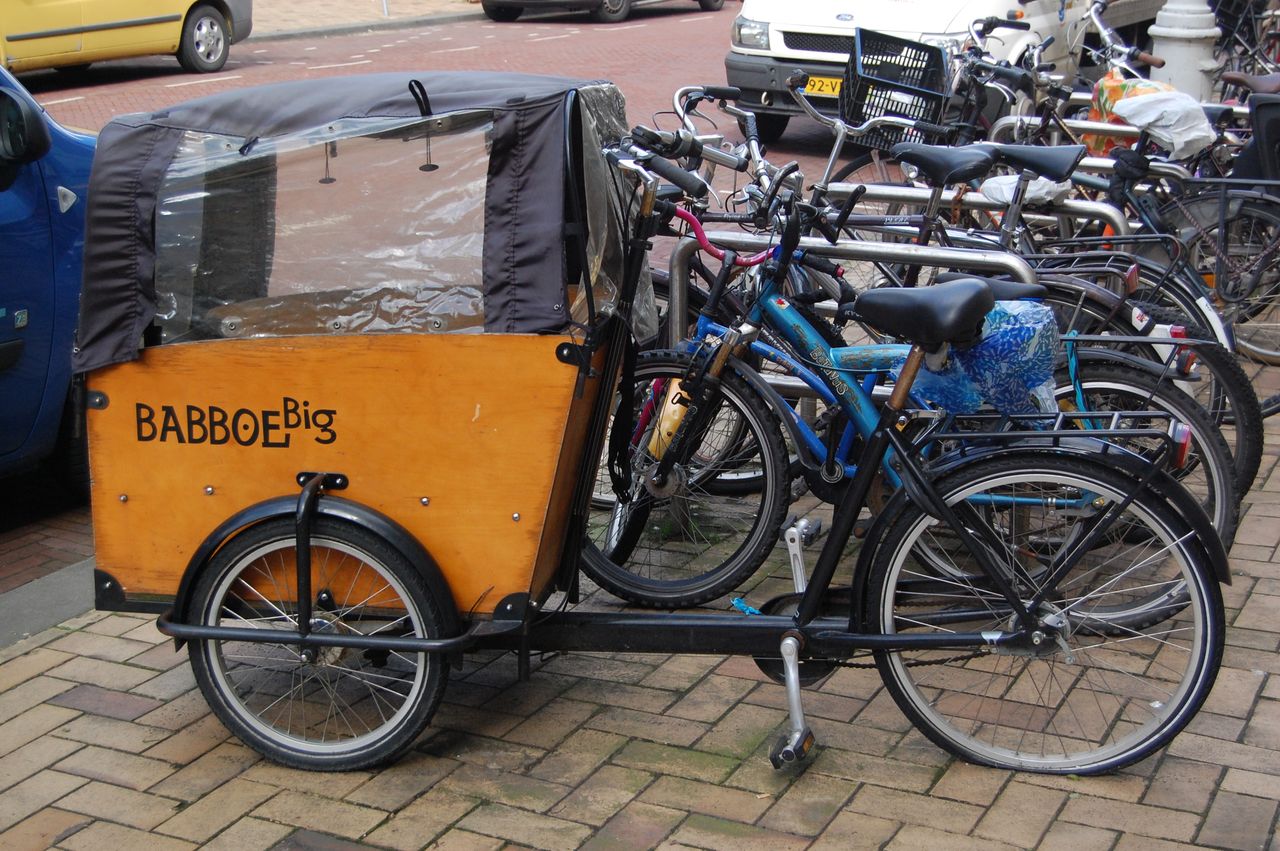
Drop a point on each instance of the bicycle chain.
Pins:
(841, 663)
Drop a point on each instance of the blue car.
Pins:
(44, 174)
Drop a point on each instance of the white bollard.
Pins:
(1183, 35)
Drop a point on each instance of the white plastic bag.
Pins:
(1042, 190)
(1174, 119)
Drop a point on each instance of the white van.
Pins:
(772, 39)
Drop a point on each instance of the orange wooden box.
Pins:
(471, 442)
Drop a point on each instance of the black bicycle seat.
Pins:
(943, 166)
(1217, 113)
(930, 316)
(1055, 163)
(1001, 289)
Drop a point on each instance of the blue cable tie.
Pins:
(745, 607)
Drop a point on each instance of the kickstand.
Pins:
(799, 740)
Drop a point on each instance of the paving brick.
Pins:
(644, 725)
(100, 646)
(913, 837)
(310, 840)
(1117, 787)
(208, 772)
(871, 769)
(710, 699)
(34, 756)
(552, 723)
(160, 657)
(168, 685)
(1263, 729)
(217, 810)
(402, 781)
(79, 669)
(598, 667)
(517, 790)
(473, 720)
(623, 696)
(191, 743)
(29, 694)
(458, 839)
(1231, 754)
(703, 831)
(482, 751)
(680, 762)
(1252, 783)
(1065, 836)
(973, 784)
(852, 736)
(29, 665)
(249, 834)
(123, 806)
(31, 725)
(110, 733)
(1021, 814)
(1240, 822)
(680, 673)
(706, 798)
(1145, 843)
(600, 796)
(428, 816)
(1183, 785)
(855, 830)
(637, 825)
(116, 624)
(330, 784)
(96, 700)
(742, 730)
(178, 713)
(808, 806)
(1216, 726)
(34, 794)
(42, 830)
(915, 809)
(146, 631)
(1152, 822)
(1261, 612)
(525, 828)
(578, 756)
(1234, 693)
(122, 769)
(314, 812)
(817, 705)
(101, 834)
(527, 698)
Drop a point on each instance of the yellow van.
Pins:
(72, 33)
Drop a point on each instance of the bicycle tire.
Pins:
(1251, 299)
(1228, 396)
(1054, 707)
(362, 585)
(1209, 472)
(702, 540)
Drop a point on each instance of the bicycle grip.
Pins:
(1015, 25)
(722, 92)
(1147, 59)
(932, 129)
(690, 183)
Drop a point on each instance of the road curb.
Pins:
(368, 26)
(42, 603)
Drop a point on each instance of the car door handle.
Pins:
(10, 353)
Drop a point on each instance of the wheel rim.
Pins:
(209, 39)
(344, 700)
(1103, 697)
(613, 7)
(1250, 298)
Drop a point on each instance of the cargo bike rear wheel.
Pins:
(318, 708)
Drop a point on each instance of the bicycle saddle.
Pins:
(1217, 113)
(1054, 163)
(1263, 84)
(930, 316)
(943, 166)
(1001, 289)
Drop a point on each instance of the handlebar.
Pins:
(684, 144)
(1148, 59)
(689, 183)
(706, 245)
(799, 79)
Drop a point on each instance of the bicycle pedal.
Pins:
(792, 749)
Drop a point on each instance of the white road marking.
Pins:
(340, 64)
(61, 100)
(261, 50)
(310, 48)
(456, 49)
(620, 29)
(202, 80)
(548, 38)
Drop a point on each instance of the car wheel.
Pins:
(611, 11)
(502, 14)
(710, 5)
(205, 41)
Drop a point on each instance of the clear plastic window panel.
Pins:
(358, 227)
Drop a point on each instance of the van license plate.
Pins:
(823, 86)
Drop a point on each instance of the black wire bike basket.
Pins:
(887, 75)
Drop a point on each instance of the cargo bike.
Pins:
(350, 350)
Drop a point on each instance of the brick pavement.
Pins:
(106, 742)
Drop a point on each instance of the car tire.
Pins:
(611, 11)
(206, 41)
(711, 5)
(502, 14)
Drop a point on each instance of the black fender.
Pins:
(334, 507)
(779, 406)
(1098, 354)
(1202, 534)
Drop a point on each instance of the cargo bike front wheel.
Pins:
(323, 708)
